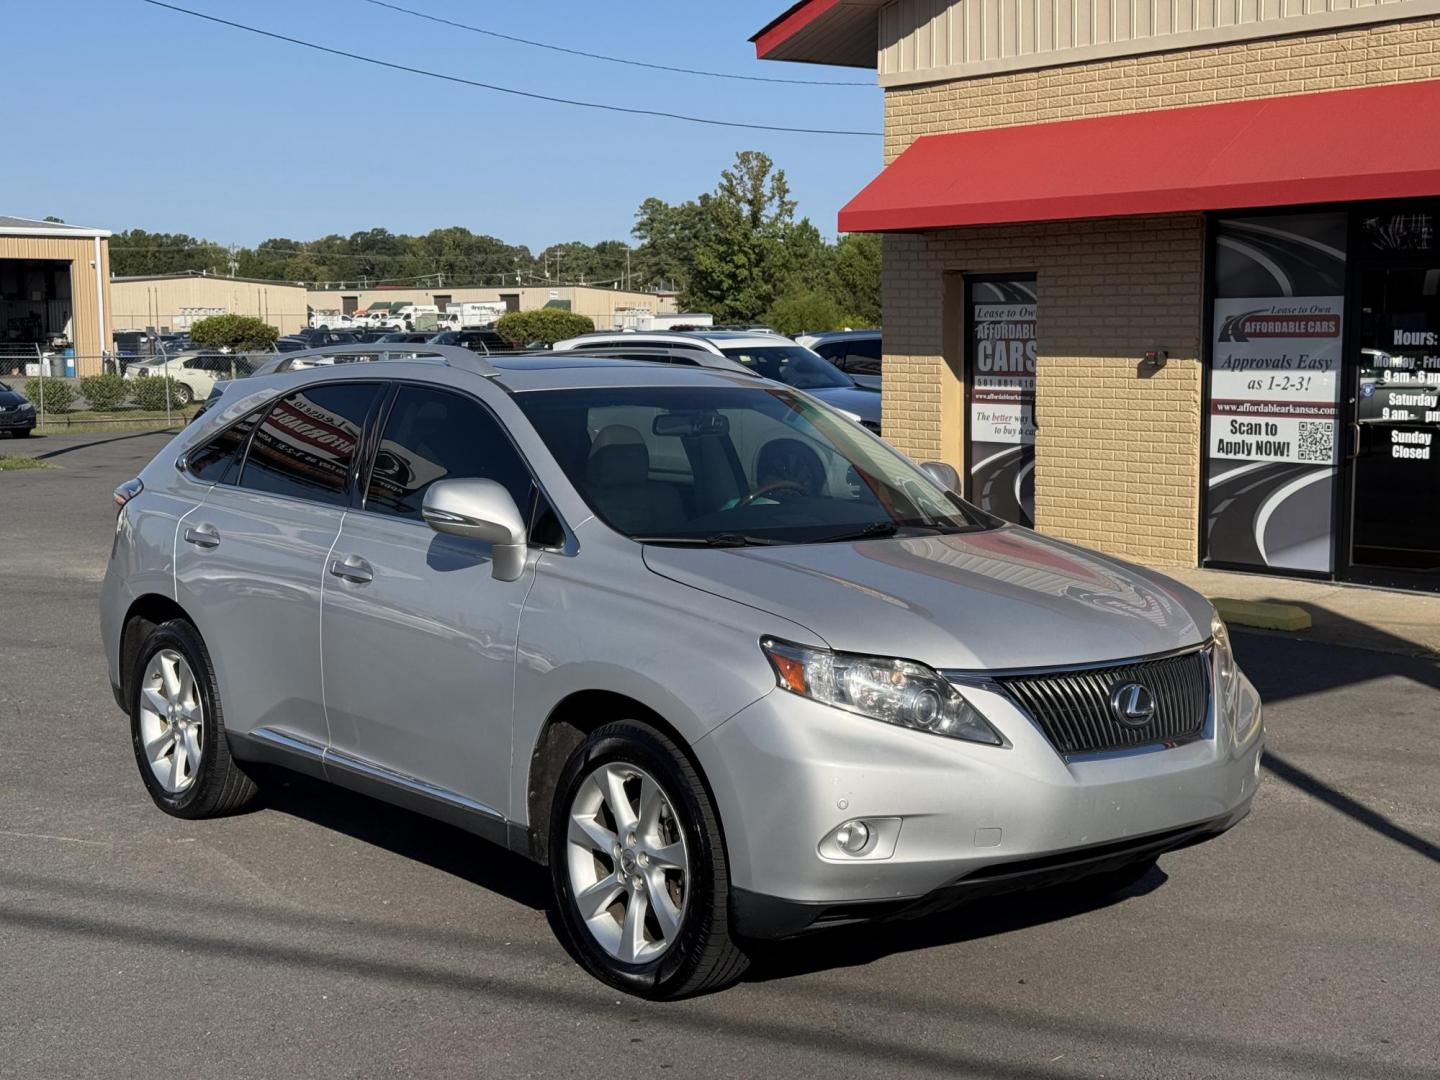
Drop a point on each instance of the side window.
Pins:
(434, 434)
(219, 460)
(306, 446)
(864, 357)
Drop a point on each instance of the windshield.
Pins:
(734, 465)
(793, 365)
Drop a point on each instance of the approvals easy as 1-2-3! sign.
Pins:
(1274, 391)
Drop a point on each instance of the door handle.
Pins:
(353, 568)
(206, 536)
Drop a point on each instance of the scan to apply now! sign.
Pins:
(1274, 386)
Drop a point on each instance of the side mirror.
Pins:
(944, 475)
(480, 510)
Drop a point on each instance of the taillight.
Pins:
(127, 491)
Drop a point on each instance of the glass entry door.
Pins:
(1395, 478)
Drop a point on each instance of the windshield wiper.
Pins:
(874, 531)
(712, 540)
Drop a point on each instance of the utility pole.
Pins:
(234, 261)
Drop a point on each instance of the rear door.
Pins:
(419, 638)
(250, 559)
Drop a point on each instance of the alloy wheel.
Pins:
(628, 865)
(171, 720)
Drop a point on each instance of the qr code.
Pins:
(1317, 440)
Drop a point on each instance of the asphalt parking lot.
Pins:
(329, 935)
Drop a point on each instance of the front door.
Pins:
(1395, 477)
(418, 638)
(1000, 390)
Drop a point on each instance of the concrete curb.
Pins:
(1261, 614)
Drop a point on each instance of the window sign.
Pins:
(1275, 363)
(1001, 380)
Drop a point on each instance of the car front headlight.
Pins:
(897, 692)
(1227, 676)
(26, 406)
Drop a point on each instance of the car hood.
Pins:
(10, 397)
(1003, 598)
(864, 403)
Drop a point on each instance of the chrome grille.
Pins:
(1073, 707)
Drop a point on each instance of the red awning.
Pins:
(1375, 143)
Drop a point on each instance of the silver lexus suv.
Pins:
(725, 662)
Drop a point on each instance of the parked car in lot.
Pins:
(476, 340)
(768, 355)
(315, 338)
(196, 373)
(565, 603)
(17, 414)
(857, 353)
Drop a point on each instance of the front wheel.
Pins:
(178, 730)
(639, 867)
(22, 433)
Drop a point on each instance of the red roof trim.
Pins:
(1336, 146)
(789, 24)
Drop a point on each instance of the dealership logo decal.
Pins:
(1133, 704)
(1269, 323)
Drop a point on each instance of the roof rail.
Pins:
(454, 356)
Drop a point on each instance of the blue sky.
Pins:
(150, 119)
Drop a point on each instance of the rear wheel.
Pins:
(177, 728)
(639, 867)
(183, 394)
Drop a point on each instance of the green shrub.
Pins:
(104, 392)
(52, 395)
(149, 392)
(242, 333)
(544, 324)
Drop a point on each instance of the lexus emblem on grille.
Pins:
(1132, 704)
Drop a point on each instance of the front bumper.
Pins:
(11, 420)
(966, 819)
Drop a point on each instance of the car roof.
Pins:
(515, 372)
(717, 338)
(837, 335)
(526, 372)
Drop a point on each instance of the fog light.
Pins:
(852, 837)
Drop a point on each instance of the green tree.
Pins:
(667, 235)
(239, 333)
(854, 278)
(741, 260)
(804, 309)
(137, 252)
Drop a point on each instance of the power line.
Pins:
(610, 59)
(507, 89)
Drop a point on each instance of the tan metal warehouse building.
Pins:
(601, 305)
(175, 301)
(54, 291)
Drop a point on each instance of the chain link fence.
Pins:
(160, 391)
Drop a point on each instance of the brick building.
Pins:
(1163, 279)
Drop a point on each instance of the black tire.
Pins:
(704, 956)
(220, 787)
(21, 433)
(183, 394)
